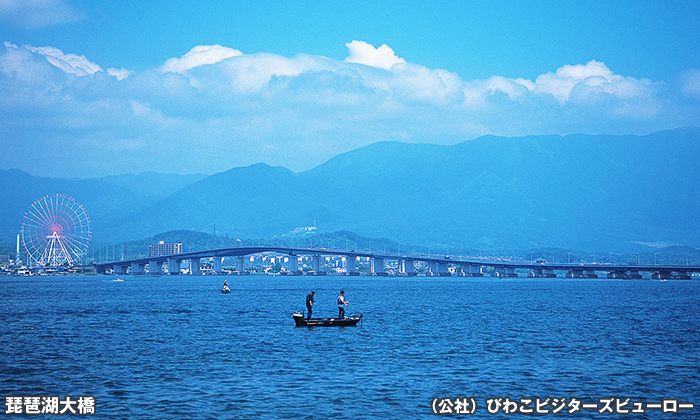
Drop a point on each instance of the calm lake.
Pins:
(175, 347)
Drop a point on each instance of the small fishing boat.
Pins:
(349, 321)
(225, 290)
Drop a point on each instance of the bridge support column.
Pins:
(617, 274)
(585, 273)
(137, 268)
(173, 266)
(682, 275)
(217, 264)
(240, 264)
(316, 263)
(350, 267)
(633, 275)
(662, 275)
(473, 270)
(293, 264)
(118, 269)
(432, 267)
(548, 273)
(376, 266)
(194, 267)
(408, 267)
(509, 272)
(154, 267)
(443, 269)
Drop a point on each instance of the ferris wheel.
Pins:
(55, 231)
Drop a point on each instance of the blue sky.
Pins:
(93, 88)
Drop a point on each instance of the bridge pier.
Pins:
(316, 263)
(582, 274)
(293, 264)
(217, 264)
(432, 267)
(407, 267)
(173, 266)
(376, 266)
(473, 270)
(443, 269)
(350, 266)
(240, 264)
(119, 269)
(154, 267)
(194, 267)
(662, 275)
(506, 272)
(137, 268)
(617, 274)
(543, 272)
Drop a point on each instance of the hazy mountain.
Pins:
(153, 184)
(587, 192)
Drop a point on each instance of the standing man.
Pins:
(310, 303)
(342, 303)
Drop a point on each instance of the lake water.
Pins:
(174, 347)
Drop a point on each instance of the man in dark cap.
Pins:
(342, 303)
(310, 303)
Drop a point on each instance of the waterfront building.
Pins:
(161, 248)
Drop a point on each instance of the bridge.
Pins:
(405, 263)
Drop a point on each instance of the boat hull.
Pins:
(350, 321)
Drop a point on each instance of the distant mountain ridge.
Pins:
(153, 184)
(579, 191)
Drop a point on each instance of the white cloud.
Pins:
(120, 74)
(589, 80)
(32, 14)
(199, 56)
(69, 63)
(364, 53)
(215, 108)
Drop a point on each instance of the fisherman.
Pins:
(226, 289)
(342, 303)
(310, 303)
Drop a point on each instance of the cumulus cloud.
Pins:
(586, 81)
(73, 64)
(32, 14)
(364, 53)
(69, 63)
(120, 74)
(214, 108)
(199, 56)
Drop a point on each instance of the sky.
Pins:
(97, 88)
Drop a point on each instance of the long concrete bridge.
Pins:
(405, 263)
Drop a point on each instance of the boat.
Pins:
(349, 321)
(226, 290)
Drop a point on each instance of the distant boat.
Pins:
(225, 290)
(350, 321)
(119, 279)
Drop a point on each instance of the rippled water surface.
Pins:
(175, 347)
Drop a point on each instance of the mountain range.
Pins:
(596, 192)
